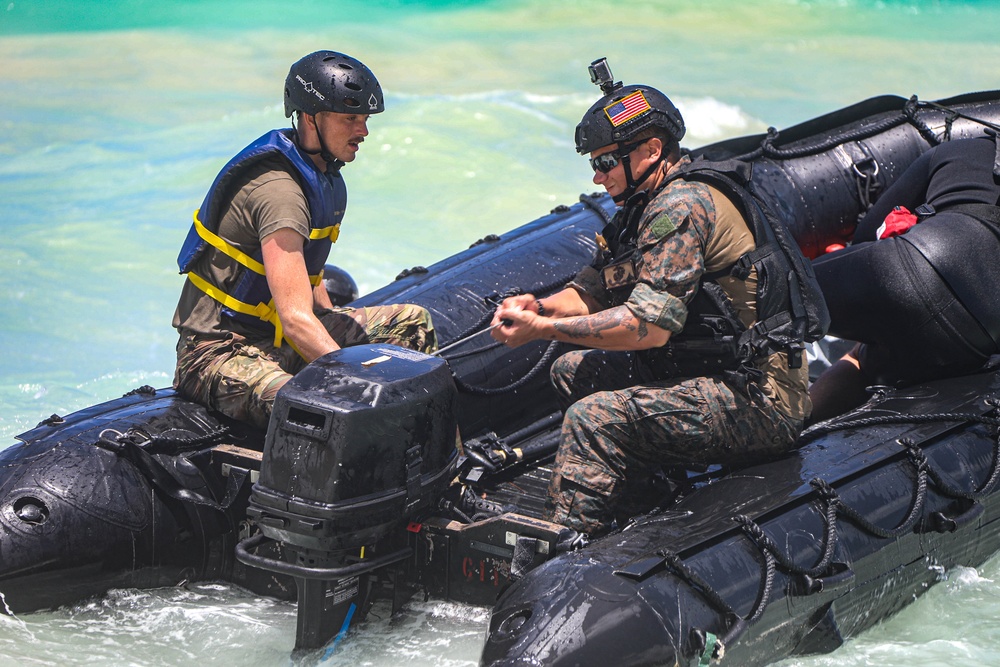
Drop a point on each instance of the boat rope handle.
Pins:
(757, 535)
(736, 624)
(919, 461)
(775, 559)
(591, 201)
(909, 114)
(952, 114)
(674, 562)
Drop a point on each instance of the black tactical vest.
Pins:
(791, 310)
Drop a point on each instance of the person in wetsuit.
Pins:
(923, 304)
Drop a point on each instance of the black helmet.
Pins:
(339, 285)
(624, 112)
(331, 81)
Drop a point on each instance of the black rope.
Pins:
(775, 558)
(824, 428)
(144, 390)
(949, 491)
(739, 623)
(919, 460)
(757, 535)
(763, 594)
(539, 366)
(481, 323)
(674, 562)
(473, 351)
(544, 289)
(865, 183)
(767, 148)
(593, 203)
(958, 114)
(910, 114)
(910, 110)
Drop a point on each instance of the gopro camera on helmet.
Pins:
(623, 112)
(600, 74)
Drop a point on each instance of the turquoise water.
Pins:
(115, 116)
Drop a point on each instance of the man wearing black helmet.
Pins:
(254, 310)
(677, 372)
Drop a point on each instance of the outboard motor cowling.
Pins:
(359, 442)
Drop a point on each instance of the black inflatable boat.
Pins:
(358, 492)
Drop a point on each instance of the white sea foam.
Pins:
(708, 119)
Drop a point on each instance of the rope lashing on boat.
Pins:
(949, 491)
(864, 180)
(757, 535)
(834, 505)
(911, 109)
(736, 623)
(144, 390)
(832, 426)
(775, 558)
(909, 114)
(591, 201)
(767, 148)
(953, 114)
(134, 446)
(865, 177)
(916, 457)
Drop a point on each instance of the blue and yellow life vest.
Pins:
(250, 300)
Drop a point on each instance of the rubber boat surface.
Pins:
(356, 491)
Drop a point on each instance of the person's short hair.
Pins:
(671, 146)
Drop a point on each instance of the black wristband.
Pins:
(541, 308)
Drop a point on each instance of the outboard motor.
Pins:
(359, 442)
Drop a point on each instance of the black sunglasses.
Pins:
(605, 162)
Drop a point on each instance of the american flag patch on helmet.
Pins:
(627, 108)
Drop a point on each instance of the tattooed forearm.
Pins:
(598, 324)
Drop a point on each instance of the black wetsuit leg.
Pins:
(888, 296)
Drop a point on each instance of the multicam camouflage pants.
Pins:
(621, 428)
(240, 377)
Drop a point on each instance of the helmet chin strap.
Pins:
(333, 165)
(632, 184)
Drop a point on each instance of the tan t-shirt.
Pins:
(788, 388)
(267, 198)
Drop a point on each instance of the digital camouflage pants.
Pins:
(621, 428)
(240, 378)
